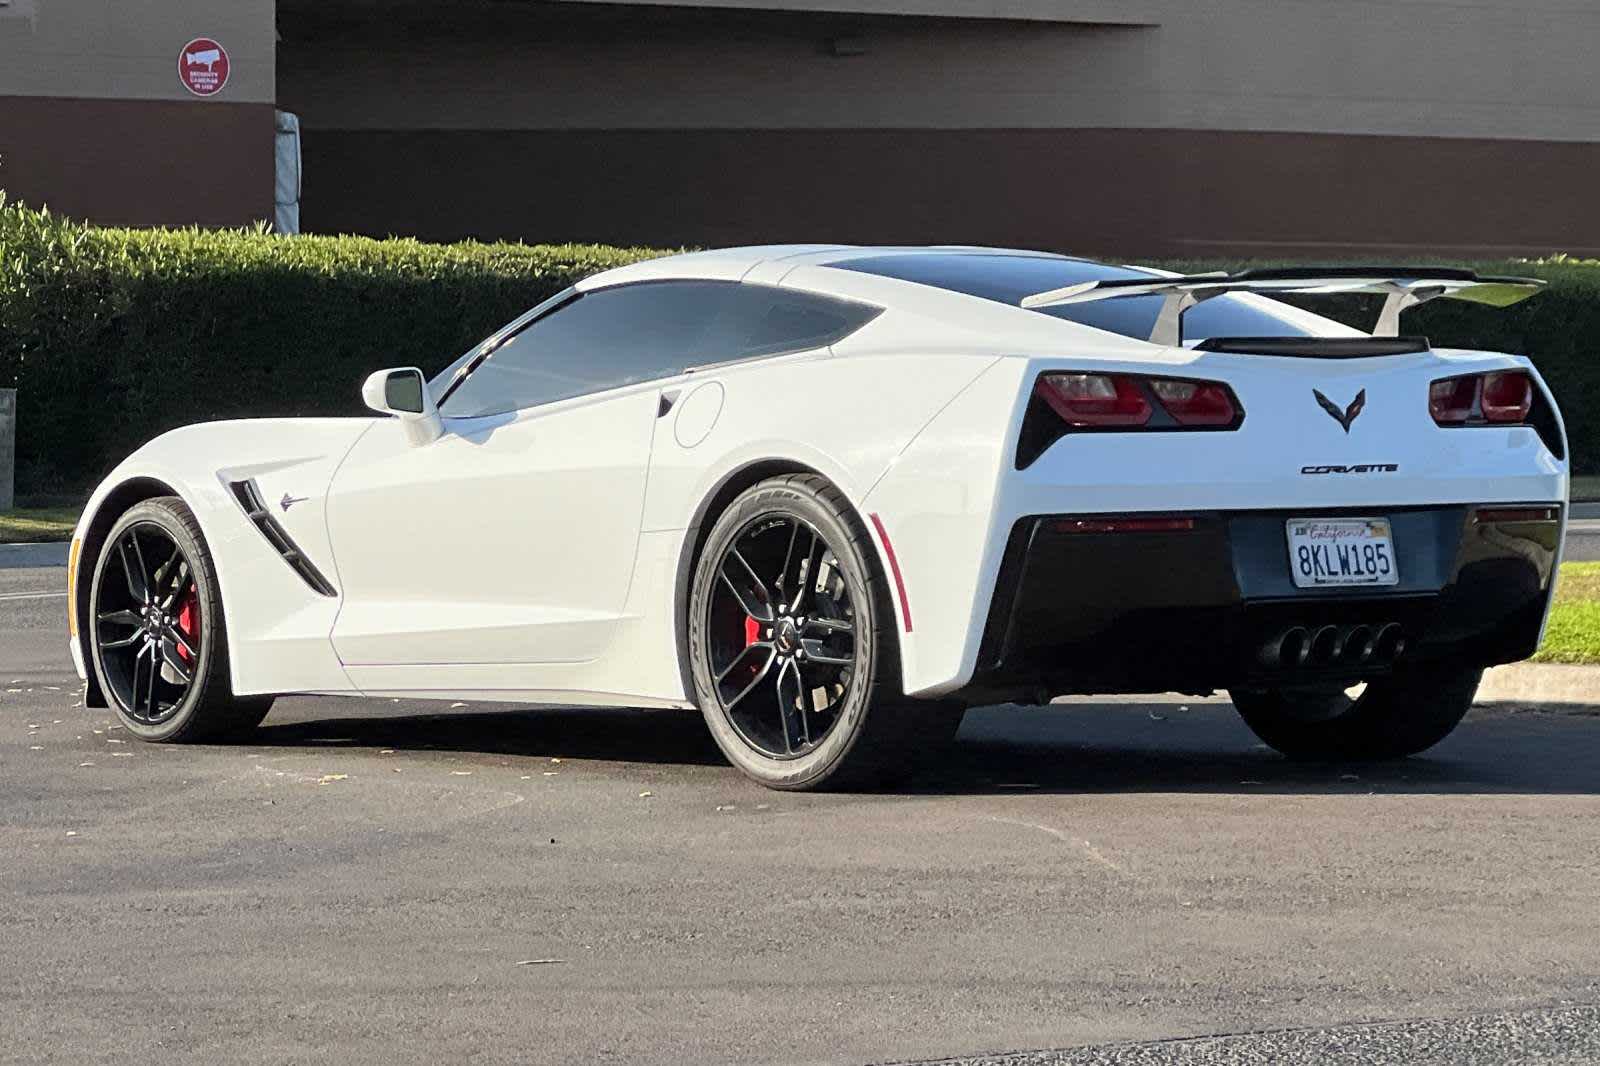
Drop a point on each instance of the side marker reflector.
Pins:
(1488, 515)
(72, 587)
(894, 569)
(1122, 525)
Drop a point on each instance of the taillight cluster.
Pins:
(1137, 401)
(1502, 398)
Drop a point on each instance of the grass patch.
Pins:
(1586, 488)
(28, 525)
(1573, 635)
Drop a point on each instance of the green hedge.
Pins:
(116, 335)
(113, 336)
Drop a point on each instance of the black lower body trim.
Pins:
(1210, 607)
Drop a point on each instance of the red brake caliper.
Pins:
(189, 621)
(752, 631)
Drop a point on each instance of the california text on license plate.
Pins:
(1341, 551)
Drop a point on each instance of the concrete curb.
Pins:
(17, 556)
(1548, 684)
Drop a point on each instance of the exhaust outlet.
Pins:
(1390, 643)
(1325, 646)
(1288, 649)
(1358, 644)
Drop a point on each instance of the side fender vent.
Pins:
(255, 508)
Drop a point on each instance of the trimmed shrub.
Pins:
(113, 336)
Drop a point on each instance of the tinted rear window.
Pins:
(1008, 278)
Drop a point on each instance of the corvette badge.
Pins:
(1346, 416)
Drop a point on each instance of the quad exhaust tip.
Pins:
(1356, 645)
(1289, 649)
(1325, 646)
(1390, 643)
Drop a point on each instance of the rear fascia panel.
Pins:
(951, 500)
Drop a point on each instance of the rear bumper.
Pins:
(1203, 608)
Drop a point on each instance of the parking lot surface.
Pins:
(371, 881)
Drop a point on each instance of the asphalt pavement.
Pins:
(1583, 537)
(1122, 881)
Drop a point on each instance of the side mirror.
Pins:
(404, 393)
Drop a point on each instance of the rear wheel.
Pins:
(793, 645)
(157, 633)
(1390, 718)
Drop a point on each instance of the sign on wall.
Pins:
(203, 66)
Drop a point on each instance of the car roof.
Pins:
(794, 264)
(739, 264)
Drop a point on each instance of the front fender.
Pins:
(277, 627)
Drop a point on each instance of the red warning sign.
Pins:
(203, 66)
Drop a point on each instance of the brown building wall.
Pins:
(139, 162)
(1100, 191)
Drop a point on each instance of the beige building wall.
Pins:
(1423, 68)
(1353, 127)
(1325, 128)
(128, 49)
(95, 123)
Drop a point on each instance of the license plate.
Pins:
(1325, 552)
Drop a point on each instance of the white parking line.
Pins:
(30, 595)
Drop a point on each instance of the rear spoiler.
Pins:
(1404, 287)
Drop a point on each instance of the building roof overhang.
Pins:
(1094, 12)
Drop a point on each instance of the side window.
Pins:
(760, 320)
(599, 341)
(643, 332)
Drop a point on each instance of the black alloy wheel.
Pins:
(147, 624)
(155, 629)
(782, 626)
(794, 645)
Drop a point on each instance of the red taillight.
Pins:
(1507, 396)
(1095, 399)
(1125, 401)
(1450, 401)
(1195, 403)
(1504, 398)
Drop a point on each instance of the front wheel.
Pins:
(156, 630)
(794, 648)
(1393, 717)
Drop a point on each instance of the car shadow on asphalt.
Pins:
(1208, 749)
(1081, 749)
(598, 734)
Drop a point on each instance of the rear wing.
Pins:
(1403, 287)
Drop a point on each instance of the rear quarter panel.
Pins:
(847, 418)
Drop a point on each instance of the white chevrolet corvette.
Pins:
(830, 496)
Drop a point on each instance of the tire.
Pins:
(1396, 716)
(161, 651)
(768, 679)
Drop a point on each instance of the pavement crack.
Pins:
(1093, 853)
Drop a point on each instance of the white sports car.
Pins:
(830, 496)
